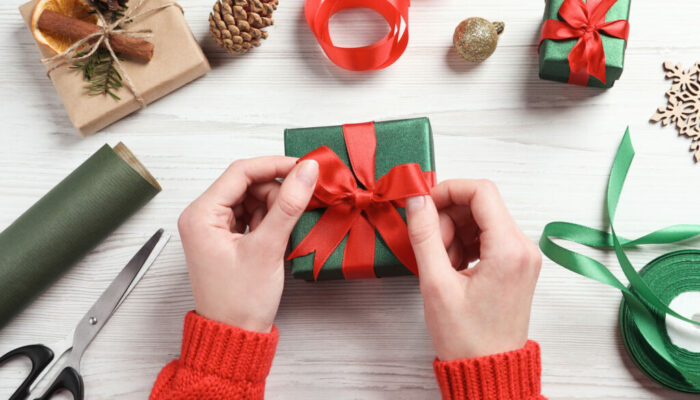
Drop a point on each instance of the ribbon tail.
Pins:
(595, 54)
(392, 228)
(578, 64)
(325, 236)
(358, 258)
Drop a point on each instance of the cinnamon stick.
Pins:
(76, 29)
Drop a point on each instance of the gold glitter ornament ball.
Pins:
(475, 38)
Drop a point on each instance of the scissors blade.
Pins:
(110, 300)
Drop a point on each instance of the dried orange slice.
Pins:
(73, 8)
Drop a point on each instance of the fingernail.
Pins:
(414, 204)
(308, 172)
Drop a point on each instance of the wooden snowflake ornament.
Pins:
(683, 107)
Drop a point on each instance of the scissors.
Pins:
(44, 358)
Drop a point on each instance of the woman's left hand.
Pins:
(237, 277)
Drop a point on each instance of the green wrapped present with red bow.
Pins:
(584, 43)
(354, 226)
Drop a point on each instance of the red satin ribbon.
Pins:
(358, 211)
(375, 56)
(585, 21)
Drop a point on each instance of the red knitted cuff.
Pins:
(232, 353)
(514, 375)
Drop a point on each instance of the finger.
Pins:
(447, 229)
(471, 251)
(250, 204)
(230, 187)
(265, 192)
(254, 211)
(238, 216)
(461, 215)
(239, 226)
(294, 195)
(426, 239)
(257, 218)
(454, 252)
(481, 196)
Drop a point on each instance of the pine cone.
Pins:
(236, 25)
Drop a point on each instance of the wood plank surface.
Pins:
(547, 145)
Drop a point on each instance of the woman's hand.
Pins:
(237, 277)
(484, 309)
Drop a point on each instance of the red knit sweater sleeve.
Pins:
(514, 375)
(217, 361)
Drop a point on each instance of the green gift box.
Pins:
(398, 142)
(554, 54)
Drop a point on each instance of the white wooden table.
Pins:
(547, 145)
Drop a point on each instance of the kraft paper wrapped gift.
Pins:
(177, 60)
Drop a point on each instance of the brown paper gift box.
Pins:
(177, 60)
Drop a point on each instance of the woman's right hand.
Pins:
(485, 309)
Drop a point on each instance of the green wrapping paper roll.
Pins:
(68, 222)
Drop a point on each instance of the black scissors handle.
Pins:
(69, 379)
(40, 357)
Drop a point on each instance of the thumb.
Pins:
(424, 232)
(294, 195)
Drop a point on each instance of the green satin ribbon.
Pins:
(644, 308)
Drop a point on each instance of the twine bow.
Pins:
(102, 36)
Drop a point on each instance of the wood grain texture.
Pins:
(547, 145)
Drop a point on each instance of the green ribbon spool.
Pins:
(668, 275)
(646, 299)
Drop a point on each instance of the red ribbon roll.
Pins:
(585, 21)
(375, 56)
(355, 211)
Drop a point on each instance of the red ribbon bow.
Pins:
(357, 212)
(375, 56)
(585, 21)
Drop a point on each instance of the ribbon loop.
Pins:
(357, 212)
(375, 56)
(585, 21)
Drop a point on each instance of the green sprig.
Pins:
(100, 73)
(99, 68)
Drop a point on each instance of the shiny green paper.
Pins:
(553, 54)
(398, 142)
(68, 222)
(645, 301)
